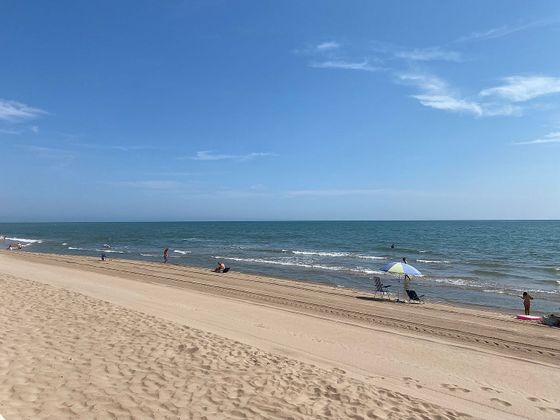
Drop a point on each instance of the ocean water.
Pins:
(487, 263)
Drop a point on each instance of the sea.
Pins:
(487, 263)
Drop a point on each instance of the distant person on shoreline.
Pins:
(165, 254)
(392, 246)
(404, 260)
(527, 298)
(220, 267)
(103, 256)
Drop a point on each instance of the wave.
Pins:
(518, 292)
(456, 282)
(178, 251)
(322, 253)
(361, 270)
(27, 241)
(77, 249)
(110, 251)
(64, 243)
(370, 257)
(434, 261)
(148, 255)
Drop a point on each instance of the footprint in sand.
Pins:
(550, 409)
(488, 389)
(501, 402)
(455, 388)
(411, 381)
(535, 399)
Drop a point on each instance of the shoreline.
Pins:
(441, 301)
(463, 359)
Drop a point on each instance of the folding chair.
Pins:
(413, 296)
(379, 287)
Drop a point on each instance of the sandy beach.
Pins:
(82, 338)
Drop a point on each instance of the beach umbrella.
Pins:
(401, 268)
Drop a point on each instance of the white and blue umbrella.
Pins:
(401, 268)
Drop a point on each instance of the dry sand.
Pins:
(82, 338)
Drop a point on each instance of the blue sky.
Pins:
(262, 110)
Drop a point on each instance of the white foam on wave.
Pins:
(148, 255)
(64, 243)
(75, 248)
(434, 261)
(456, 282)
(27, 241)
(178, 251)
(110, 251)
(322, 253)
(361, 270)
(371, 257)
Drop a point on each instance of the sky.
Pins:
(279, 110)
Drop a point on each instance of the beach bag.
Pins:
(551, 320)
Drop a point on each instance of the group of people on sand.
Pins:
(220, 268)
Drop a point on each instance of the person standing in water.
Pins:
(165, 254)
(527, 298)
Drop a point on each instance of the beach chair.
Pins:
(379, 287)
(413, 296)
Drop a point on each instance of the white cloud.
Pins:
(330, 45)
(524, 88)
(553, 137)
(437, 94)
(10, 131)
(209, 156)
(449, 103)
(429, 54)
(16, 111)
(150, 184)
(345, 65)
(504, 30)
(335, 192)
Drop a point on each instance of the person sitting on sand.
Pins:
(527, 298)
(220, 267)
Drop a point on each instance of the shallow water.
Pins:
(482, 262)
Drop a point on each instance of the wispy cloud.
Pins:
(437, 94)
(60, 157)
(150, 184)
(16, 111)
(505, 30)
(345, 65)
(10, 131)
(524, 88)
(553, 137)
(429, 54)
(208, 155)
(329, 45)
(334, 192)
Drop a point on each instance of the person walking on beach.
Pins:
(527, 298)
(165, 254)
